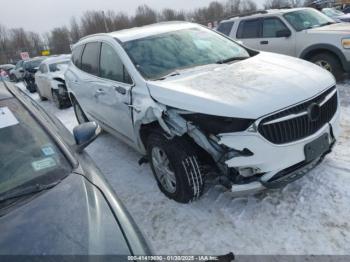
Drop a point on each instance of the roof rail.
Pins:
(248, 14)
(88, 36)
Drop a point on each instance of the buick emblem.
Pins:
(314, 112)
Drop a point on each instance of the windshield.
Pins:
(332, 12)
(57, 66)
(159, 55)
(306, 19)
(33, 63)
(27, 153)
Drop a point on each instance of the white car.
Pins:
(50, 80)
(336, 15)
(201, 107)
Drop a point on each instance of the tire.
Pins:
(42, 98)
(179, 174)
(56, 98)
(329, 62)
(79, 113)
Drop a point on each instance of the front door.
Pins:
(113, 93)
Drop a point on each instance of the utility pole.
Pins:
(105, 21)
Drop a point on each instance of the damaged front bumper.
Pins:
(275, 165)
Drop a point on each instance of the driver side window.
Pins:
(111, 66)
(271, 27)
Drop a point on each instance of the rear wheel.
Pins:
(329, 62)
(176, 167)
(79, 113)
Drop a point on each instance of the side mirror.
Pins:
(85, 133)
(284, 33)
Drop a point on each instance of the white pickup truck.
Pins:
(300, 32)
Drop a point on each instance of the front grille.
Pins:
(294, 123)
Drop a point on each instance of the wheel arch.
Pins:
(323, 48)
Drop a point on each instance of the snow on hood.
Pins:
(248, 89)
(334, 28)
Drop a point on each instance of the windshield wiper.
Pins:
(174, 73)
(27, 191)
(224, 61)
(328, 23)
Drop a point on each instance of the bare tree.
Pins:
(92, 22)
(233, 7)
(75, 32)
(59, 40)
(171, 15)
(276, 4)
(145, 15)
(249, 6)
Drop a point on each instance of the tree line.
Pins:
(59, 39)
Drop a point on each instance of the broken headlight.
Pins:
(218, 124)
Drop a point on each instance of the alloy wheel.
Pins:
(163, 170)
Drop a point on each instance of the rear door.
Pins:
(273, 37)
(113, 93)
(84, 82)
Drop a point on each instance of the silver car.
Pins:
(199, 106)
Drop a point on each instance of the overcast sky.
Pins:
(43, 15)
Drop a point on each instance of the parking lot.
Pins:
(309, 216)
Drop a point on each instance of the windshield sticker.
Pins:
(7, 118)
(43, 163)
(48, 150)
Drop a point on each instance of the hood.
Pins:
(72, 218)
(333, 28)
(58, 74)
(247, 89)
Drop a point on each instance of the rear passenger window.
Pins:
(111, 67)
(76, 55)
(90, 58)
(271, 26)
(225, 28)
(249, 29)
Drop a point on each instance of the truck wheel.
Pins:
(176, 167)
(79, 113)
(330, 63)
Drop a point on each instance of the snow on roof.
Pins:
(148, 30)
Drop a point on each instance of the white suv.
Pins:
(200, 107)
(300, 32)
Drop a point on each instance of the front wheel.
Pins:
(176, 167)
(330, 63)
(79, 113)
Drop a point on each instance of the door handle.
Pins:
(136, 108)
(265, 42)
(120, 90)
(99, 92)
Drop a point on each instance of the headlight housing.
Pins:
(218, 124)
(346, 43)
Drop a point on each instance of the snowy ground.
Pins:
(309, 216)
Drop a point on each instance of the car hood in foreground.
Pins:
(247, 89)
(72, 218)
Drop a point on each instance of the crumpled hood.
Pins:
(343, 28)
(247, 89)
(73, 218)
(58, 74)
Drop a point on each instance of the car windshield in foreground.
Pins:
(28, 156)
(160, 55)
(307, 18)
(58, 66)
